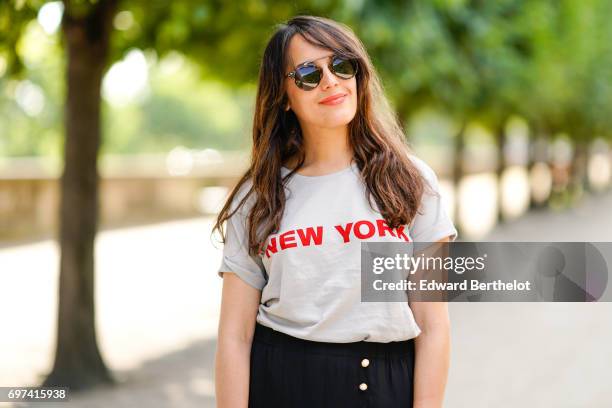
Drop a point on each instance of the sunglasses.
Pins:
(308, 75)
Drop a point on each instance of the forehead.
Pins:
(300, 51)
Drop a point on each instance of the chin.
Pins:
(335, 119)
(334, 123)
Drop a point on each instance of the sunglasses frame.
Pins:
(293, 74)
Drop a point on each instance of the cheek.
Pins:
(354, 107)
(353, 88)
(354, 94)
(301, 102)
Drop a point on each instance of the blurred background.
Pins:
(145, 107)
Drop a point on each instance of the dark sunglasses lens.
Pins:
(308, 77)
(344, 68)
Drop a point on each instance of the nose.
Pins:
(329, 80)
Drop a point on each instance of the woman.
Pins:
(329, 170)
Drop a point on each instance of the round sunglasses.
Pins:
(308, 75)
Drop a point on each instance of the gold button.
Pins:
(365, 362)
(363, 386)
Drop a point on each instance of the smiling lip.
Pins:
(331, 100)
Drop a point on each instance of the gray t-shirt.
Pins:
(310, 275)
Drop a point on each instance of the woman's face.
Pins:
(308, 106)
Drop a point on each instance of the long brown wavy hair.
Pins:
(375, 135)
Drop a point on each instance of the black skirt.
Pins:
(287, 372)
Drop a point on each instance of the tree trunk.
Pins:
(78, 363)
(402, 112)
(458, 168)
(500, 136)
(580, 166)
(539, 144)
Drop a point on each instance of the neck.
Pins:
(327, 149)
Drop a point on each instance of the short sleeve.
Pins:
(236, 257)
(432, 222)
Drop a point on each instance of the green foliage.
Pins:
(181, 110)
(225, 37)
(14, 17)
(38, 131)
(546, 60)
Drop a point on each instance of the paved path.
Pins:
(157, 298)
(158, 294)
(536, 354)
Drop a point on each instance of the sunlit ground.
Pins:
(156, 291)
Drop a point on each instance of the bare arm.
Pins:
(239, 304)
(432, 349)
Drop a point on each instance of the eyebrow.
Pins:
(313, 60)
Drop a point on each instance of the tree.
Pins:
(225, 38)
